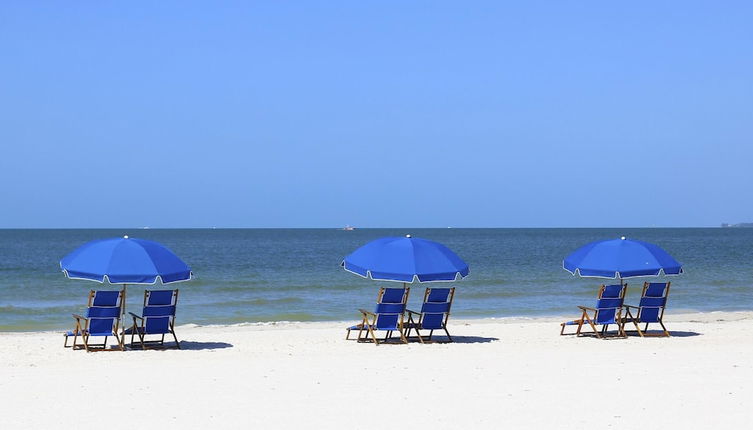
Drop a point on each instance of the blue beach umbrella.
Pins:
(125, 261)
(406, 259)
(619, 259)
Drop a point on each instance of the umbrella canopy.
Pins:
(621, 258)
(125, 261)
(406, 259)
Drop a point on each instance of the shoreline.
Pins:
(682, 315)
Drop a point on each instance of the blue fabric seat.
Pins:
(101, 319)
(650, 309)
(608, 311)
(157, 318)
(388, 316)
(435, 311)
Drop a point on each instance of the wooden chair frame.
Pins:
(138, 329)
(587, 318)
(369, 320)
(636, 320)
(82, 330)
(413, 325)
(369, 325)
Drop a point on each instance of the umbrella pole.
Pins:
(122, 316)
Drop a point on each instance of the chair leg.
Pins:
(638, 328)
(593, 327)
(583, 318)
(420, 338)
(579, 330)
(121, 341)
(448, 334)
(563, 326)
(141, 339)
(621, 328)
(177, 344)
(78, 330)
(364, 325)
(666, 332)
(85, 339)
(373, 335)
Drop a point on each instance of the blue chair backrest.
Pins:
(653, 301)
(102, 318)
(106, 298)
(104, 311)
(159, 311)
(393, 295)
(388, 315)
(390, 308)
(606, 310)
(612, 291)
(435, 309)
(160, 298)
(438, 295)
(609, 304)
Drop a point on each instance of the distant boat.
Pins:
(349, 228)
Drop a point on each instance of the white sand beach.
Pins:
(501, 373)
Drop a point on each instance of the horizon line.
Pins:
(354, 228)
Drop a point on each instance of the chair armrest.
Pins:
(586, 308)
(78, 317)
(629, 315)
(365, 312)
(412, 312)
(136, 316)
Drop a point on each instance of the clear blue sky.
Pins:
(376, 114)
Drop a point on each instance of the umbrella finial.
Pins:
(126, 237)
(623, 238)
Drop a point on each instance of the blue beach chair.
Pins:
(388, 316)
(102, 319)
(608, 310)
(157, 318)
(650, 309)
(435, 311)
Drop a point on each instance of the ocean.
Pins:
(269, 275)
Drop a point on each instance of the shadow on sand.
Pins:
(197, 346)
(683, 333)
(473, 339)
(650, 335)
